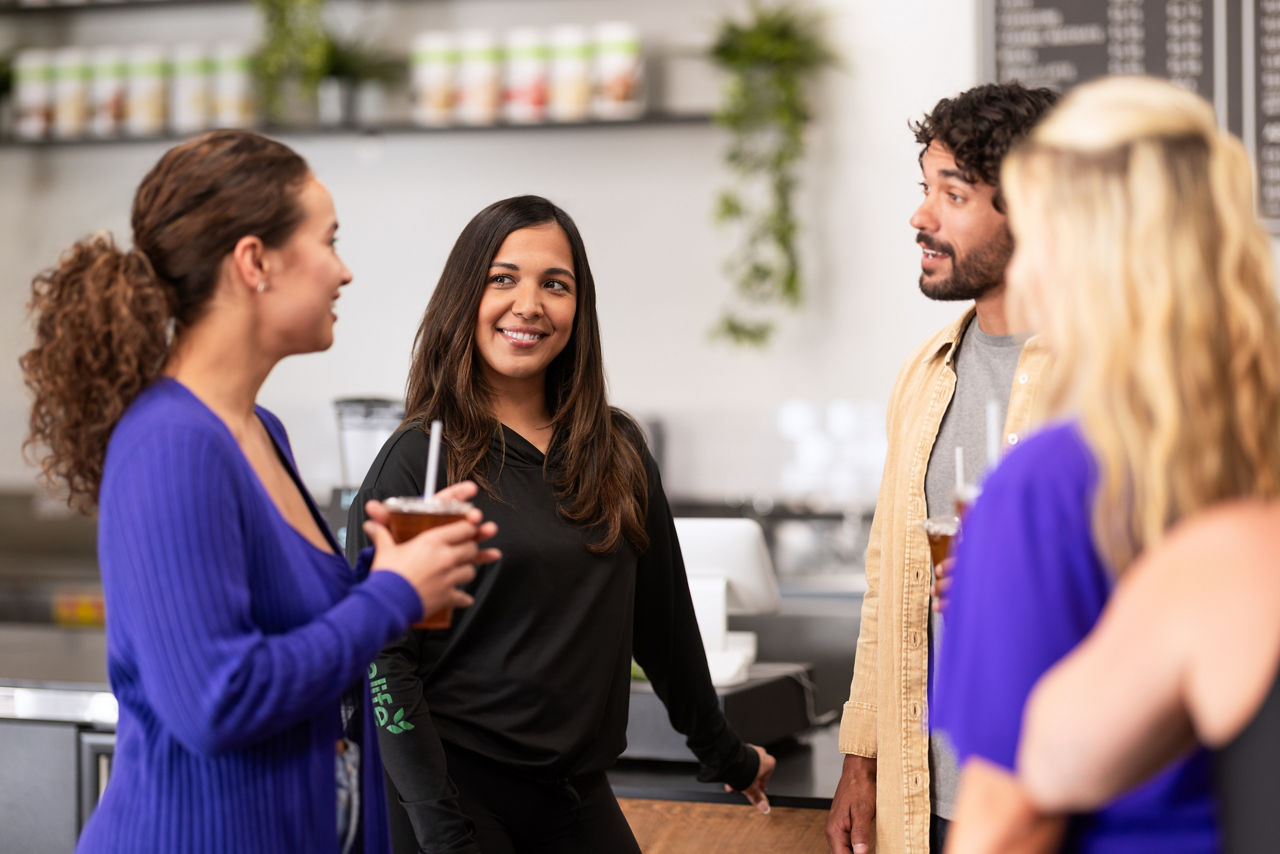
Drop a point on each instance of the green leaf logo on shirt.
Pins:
(398, 723)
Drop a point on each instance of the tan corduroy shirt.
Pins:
(885, 716)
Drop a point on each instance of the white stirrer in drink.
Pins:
(433, 460)
(993, 434)
(959, 467)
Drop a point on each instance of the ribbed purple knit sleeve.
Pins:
(174, 546)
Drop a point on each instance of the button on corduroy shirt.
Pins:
(886, 715)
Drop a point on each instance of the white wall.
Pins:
(641, 196)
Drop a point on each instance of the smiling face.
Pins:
(964, 240)
(303, 278)
(529, 303)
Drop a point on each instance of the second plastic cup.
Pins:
(940, 530)
(410, 516)
(964, 496)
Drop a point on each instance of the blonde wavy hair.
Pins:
(1147, 273)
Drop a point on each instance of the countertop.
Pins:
(50, 673)
(806, 776)
(54, 673)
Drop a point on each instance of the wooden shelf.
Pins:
(392, 129)
(54, 8)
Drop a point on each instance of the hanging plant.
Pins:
(772, 59)
(295, 47)
(348, 64)
(354, 60)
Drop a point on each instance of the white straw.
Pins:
(993, 434)
(959, 467)
(433, 460)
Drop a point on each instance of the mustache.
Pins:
(934, 245)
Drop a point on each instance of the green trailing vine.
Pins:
(772, 58)
(295, 45)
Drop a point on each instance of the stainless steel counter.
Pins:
(48, 673)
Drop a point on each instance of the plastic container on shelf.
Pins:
(525, 77)
(70, 93)
(106, 91)
(370, 104)
(189, 88)
(434, 77)
(479, 78)
(619, 90)
(146, 89)
(231, 70)
(33, 93)
(570, 74)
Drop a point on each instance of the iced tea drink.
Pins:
(940, 530)
(410, 516)
(965, 496)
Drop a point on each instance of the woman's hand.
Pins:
(755, 792)
(463, 490)
(436, 561)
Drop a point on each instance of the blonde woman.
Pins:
(1139, 259)
(1149, 689)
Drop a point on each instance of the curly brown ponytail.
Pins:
(100, 323)
(103, 317)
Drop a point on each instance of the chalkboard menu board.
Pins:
(1226, 50)
(1263, 125)
(1059, 44)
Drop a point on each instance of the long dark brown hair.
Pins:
(596, 457)
(103, 317)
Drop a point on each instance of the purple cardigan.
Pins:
(230, 640)
(1028, 586)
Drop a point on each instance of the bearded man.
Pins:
(898, 783)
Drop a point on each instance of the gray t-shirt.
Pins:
(985, 366)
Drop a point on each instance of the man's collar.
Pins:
(949, 339)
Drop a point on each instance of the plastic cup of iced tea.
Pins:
(965, 495)
(410, 516)
(941, 531)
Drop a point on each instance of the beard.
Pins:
(973, 276)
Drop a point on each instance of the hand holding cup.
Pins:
(941, 583)
(435, 551)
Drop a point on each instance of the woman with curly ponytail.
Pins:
(238, 636)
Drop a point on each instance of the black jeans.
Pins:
(514, 814)
(937, 834)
